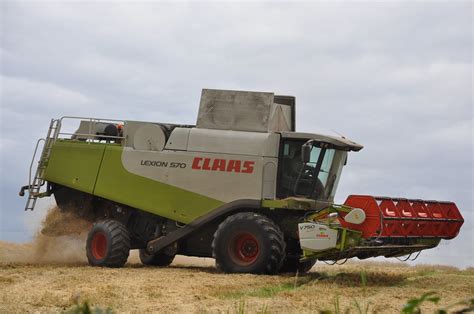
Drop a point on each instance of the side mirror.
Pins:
(306, 153)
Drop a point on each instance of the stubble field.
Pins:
(51, 274)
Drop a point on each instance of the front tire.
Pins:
(248, 243)
(108, 244)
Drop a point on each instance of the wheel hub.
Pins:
(245, 249)
(99, 245)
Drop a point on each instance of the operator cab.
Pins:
(310, 165)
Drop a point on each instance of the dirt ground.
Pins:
(51, 274)
(193, 285)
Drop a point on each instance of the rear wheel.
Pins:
(248, 243)
(108, 244)
(163, 258)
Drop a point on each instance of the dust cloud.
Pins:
(61, 240)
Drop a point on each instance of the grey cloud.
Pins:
(396, 77)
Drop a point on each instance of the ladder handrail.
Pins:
(33, 160)
(35, 186)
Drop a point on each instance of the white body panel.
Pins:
(234, 142)
(223, 165)
(149, 137)
(355, 216)
(316, 237)
(178, 139)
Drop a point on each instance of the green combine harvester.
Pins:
(241, 186)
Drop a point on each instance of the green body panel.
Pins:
(117, 184)
(97, 169)
(75, 164)
(290, 203)
(298, 203)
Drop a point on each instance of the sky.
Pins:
(394, 76)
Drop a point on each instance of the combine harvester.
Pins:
(241, 186)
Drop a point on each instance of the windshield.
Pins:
(317, 179)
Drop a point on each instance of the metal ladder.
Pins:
(34, 186)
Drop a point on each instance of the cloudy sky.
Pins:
(394, 76)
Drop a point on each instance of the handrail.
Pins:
(100, 135)
(32, 161)
(89, 118)
(90, 135)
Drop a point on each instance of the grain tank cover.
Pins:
(246, 111)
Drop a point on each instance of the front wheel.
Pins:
(248, 243)
(108, 244)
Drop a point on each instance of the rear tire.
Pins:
(162, 258)
(108, 244)
(293, 265)
(248, 243)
